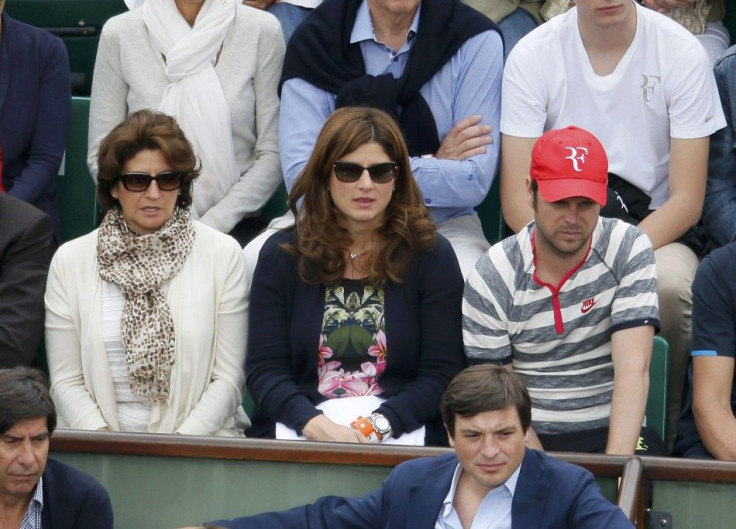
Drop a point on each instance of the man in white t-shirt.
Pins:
(643, 85)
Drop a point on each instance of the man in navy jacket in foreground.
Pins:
(492, 480)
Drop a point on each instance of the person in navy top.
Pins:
(35, 101)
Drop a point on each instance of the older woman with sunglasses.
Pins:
(361, 298)
(145, 316)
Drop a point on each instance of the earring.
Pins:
(393, 188)
(114, 196)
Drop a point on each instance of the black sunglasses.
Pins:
(380, 173)
(139, 182)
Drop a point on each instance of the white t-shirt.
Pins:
(662, 88)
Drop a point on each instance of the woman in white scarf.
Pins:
(215, 66)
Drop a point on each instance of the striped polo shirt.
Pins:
(559, 340)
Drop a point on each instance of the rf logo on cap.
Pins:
(577, 154)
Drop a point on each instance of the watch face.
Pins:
(381, 423)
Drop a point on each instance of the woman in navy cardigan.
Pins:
(35, 99)
(361, 298)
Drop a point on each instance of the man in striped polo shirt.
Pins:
(570, 303)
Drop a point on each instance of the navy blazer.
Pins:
(35, 101)
(423, 336)
(550, 494)
(26, 241)
(73, 499)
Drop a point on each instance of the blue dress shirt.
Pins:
(32, 518)
(494, 512)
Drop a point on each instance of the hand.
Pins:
(259, 4)
(320, 428)
(664, 6)
(467, 138)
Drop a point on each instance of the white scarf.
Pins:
(195, 96)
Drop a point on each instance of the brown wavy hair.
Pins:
(145, 129)
(321, 239)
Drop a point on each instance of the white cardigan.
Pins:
(130, 75)
(208, 306)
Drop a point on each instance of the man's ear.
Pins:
(529, 192)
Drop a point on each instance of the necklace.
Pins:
(354, 256)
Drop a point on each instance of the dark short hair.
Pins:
(140, 131)
(485, 387)
(24, 394)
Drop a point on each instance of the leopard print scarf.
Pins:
(140, 265)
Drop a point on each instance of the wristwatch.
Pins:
(375, 428)
(382, 426)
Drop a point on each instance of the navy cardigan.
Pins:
(73, 499)
(35, 100)
(423, 336)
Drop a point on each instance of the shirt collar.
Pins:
(38, 494)
(510, 485)
(363, 26)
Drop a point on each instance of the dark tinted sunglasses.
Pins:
(380, 173)
(139, 182)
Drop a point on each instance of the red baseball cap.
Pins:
(570, 162)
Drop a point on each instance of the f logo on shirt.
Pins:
(577, 157)
(648, 84)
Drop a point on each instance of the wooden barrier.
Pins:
(158, 481)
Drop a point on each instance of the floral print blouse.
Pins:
(352, 345)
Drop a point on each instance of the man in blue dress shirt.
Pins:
(435, 65)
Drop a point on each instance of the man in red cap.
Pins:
(570, 303)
